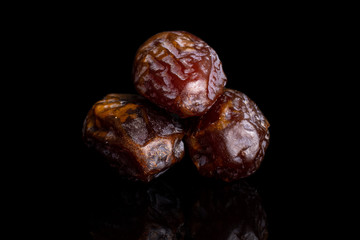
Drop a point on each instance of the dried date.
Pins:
(230, 140)
(140, 140)
(179, 72)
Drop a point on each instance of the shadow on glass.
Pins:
(205, 210)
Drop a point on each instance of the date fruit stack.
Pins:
(178, 76)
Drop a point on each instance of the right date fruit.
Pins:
(179, 72)
(230, 140)
(140, 140)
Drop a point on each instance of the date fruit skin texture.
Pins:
(140, 140)
(230, 140)
(179, 72)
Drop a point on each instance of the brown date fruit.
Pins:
(230, 140)
(179, 72)
(140, 140)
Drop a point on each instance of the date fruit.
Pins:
(230, 140)
(179, 72)
(139, 139)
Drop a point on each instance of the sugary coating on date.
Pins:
(179, 72)
(230, 140)
(137, 138)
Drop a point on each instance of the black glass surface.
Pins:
(180, 204)
(265, 59)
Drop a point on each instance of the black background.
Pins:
(276, 58)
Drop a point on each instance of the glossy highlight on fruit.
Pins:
(179, 72)
(230, 140)
(140, 140)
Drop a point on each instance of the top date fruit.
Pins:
(179, 72)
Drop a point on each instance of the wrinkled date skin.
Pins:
(179, 72)
(137, 138)
(230, 140)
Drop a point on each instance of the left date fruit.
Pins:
(138, 139)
